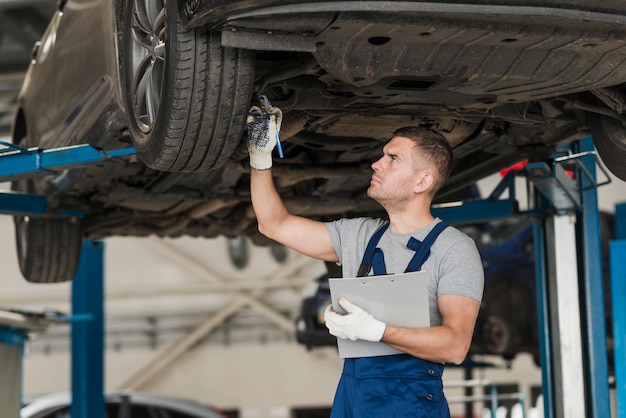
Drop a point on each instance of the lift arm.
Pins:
(20, 163)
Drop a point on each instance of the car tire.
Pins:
(186, 96)
(496, 333)
(48, 248)
(609, 138)
(505, 318)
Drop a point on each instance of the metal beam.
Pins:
(543, 314)
(552, 181)
(12, 203)
(205, 272)
(88, 335)
(242, 299)
(618, 294)
(595, 349)
(139, 379)
(21, 163)
(483, 210)
(161, 290)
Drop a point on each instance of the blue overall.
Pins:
(398, 385)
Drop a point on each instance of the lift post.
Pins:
(88, 335)
(87, 374)
(573, 339)
(595, 349)
(566, 337)
(618, 296)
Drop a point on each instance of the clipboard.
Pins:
(397, 299)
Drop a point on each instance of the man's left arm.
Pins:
(448, 342)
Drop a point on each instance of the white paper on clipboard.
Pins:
(397, 299)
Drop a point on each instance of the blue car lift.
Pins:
(87, 318)
(557, 197)
(570, 295)
(618, 296)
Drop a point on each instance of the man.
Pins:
(415, 164)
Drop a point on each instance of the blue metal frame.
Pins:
(482, 210)
(12, 336)
(553, 182)
(595, 352)
(545, 348)
(20, 163)
(88, 336)
(618, 295)
(564, 195)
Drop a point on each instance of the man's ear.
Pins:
(425, 181)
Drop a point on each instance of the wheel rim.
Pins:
(147, 60)
(497, 335)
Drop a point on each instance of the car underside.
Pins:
(503, 83)
(500, 90)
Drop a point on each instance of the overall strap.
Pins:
(366, 263)
(422, 249)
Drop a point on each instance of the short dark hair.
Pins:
(433, 147)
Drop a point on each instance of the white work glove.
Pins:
(263, 129)
(355, 325)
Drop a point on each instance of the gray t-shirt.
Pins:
(454, 264)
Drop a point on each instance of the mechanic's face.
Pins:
(395, 176)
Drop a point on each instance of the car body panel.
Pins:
(214, 12)
(79, 91)
(49, 406)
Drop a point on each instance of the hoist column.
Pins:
(570, 287)
(564, 317)
(88, 333)
(618, 295)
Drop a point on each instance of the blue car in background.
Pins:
(507, 323)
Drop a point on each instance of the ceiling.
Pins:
(22, 23)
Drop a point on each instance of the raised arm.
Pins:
(301, 234)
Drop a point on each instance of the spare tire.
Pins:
(186, 96)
